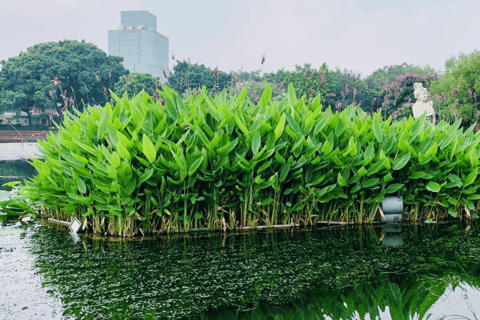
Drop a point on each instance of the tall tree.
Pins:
(189, 76)
(459, 89)
(311, 82)
(58, 74)
(135, 82)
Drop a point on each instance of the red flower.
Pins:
(56, 81)
(105, 92)
(263, 59)
(98, 78)
(338, 105)
(50, 93)
(215, 73)
(165, 74)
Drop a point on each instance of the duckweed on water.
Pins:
(335, 272)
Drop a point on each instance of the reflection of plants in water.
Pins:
(342, 273)
(15, 170)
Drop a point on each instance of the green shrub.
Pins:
(220, 163)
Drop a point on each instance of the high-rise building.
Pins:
(138, 42)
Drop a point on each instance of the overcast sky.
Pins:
(361, 36)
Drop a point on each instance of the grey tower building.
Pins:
(138, 42)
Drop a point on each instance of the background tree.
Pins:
(459, 88)
(81, 74)
(135, 82)
(193, 76)
(311, 82)
(242, 76)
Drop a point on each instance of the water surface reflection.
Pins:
(337, 273)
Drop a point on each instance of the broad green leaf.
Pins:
(123, 152)
(377, 130)
(284, 171)
(266, 96)
(115, 160)
(81, 186)
(370, 182)
(434, 187)
(256, 142)
(241, 125)
(393, 188)
(362, 171)
(194, 166)
(326, 148)
(148, 149)
(279, 128)
(470, 178)
(401, 161)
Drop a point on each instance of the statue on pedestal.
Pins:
(421, 105)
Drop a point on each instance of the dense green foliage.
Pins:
(456, 93)
(223, 163)
(310, 82)
(82, 72)
(135, 82)
(14, 205)
(187, 76)
(334, 273)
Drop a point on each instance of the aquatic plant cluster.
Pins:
(223, 163)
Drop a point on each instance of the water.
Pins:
(22, 295)
(398, 272)
(13, 162)
(15, 170)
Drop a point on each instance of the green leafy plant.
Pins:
(14, 205)
(224, 162)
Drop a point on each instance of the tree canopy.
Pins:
(58, 74)
(189, 76)
(459, 89)
(135, 82)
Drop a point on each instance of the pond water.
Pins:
(387, 272)
(15, 170)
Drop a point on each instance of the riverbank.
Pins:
(19, 136)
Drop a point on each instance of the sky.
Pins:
(361, 36)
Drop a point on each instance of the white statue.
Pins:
(421, 105)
